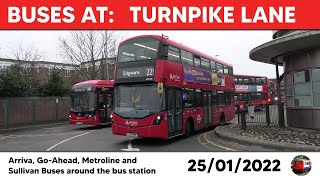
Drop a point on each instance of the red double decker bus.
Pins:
(91, 102)
(164, 89)
(253, 89)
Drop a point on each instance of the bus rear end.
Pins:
(252, 90)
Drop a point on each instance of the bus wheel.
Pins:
(188, 129)
(222, 120)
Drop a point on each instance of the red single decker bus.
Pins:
(165, 89)
(92, 102)
(253, 89)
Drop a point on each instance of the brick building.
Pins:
(41, 70)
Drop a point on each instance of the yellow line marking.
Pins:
(2, 137)
(210, 142)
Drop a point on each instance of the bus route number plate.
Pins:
(131, 135)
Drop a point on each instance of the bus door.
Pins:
(207, 110)
(215, 109)
(104, 104)
(174, 111)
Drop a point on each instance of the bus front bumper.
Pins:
(90, 121)
(153, 131)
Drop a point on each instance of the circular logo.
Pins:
(301, 165)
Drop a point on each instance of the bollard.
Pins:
(238, 112)
(243, 120)
(281, 115)
(268, 114)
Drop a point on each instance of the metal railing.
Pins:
(272, 114)
(19, 112)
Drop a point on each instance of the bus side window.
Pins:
(214, 98)
(205, 63)
(198, 99)
(227, 98)
(252, 81)
(219, 68)
(246, 81)
(235, 80)
(213, 66)
(226, 70)
(174, 54)
(230, 71)
(186, 58)
(196, 61)
(188, 98)
(221, 98)
(240, 81)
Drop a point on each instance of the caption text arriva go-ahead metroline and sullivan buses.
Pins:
(165, 89)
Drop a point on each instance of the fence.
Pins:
(273, 114)
(17, 112)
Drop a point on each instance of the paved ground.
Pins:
(272, 137)
(100, 138)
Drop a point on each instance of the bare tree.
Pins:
(25, 52)
(91, 51)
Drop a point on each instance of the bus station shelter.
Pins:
(298, 51)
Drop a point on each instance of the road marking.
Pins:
(2, 137)
(49, 149)
(39, 135)
(210, 142)
(130, 147)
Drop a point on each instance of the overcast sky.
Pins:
(231, 46)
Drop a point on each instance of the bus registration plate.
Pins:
(131, 135)
(78, 122)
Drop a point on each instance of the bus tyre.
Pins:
(222, 121)
(188, 129)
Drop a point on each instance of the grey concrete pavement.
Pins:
(67, 138)
(272, 137)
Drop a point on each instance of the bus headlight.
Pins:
(158, 119)
(90, 115)
(70, 117)
(111, 116)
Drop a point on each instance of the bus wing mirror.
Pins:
(160, 88)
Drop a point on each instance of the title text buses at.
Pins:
(165, 89)
(252, 89)
(92, 102)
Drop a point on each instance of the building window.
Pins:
(50, 71)
(67, 73)
(26, 71)
(303, 88)
(316, 87)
